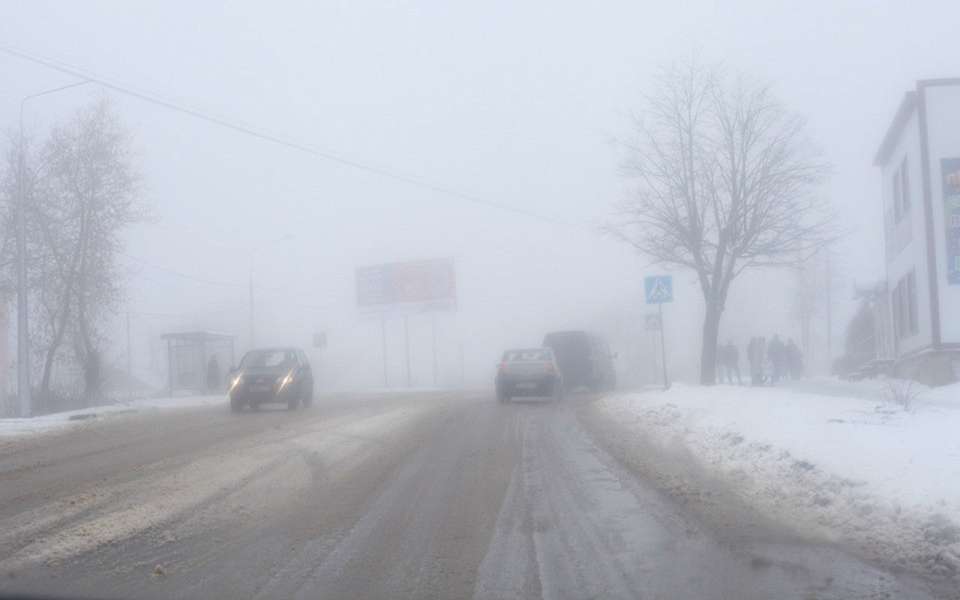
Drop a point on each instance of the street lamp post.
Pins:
(285, 238)
(24, 395)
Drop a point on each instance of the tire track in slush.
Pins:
(573, 524)
(52, 533)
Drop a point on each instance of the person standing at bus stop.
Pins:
(756, 354)
(731, 362)
(777, 353)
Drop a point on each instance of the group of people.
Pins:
(769, 361)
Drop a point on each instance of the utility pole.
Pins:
(24, 392)
(829, 313)
(433, 327)
(463, 367)
(383, 346)
(129, 353)
(406, 342)
(253, 342)
(23, 334)
(285, 238)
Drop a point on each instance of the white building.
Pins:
(920, 164)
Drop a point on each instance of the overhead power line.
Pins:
(181, 274)
(262, 135)
(227, 284)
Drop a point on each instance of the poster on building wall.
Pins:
(950, 167)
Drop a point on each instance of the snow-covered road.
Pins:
(426, 495)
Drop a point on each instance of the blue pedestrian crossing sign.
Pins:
(658, 288)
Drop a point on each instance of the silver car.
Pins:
(528, 372)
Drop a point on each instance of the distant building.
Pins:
(920, 164)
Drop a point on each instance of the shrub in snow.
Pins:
(902, 392)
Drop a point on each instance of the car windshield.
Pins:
(528, 355)
(480, 300)
(268, 358)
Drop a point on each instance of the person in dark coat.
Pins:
(777, 353)
(756, 354)
(731, 362)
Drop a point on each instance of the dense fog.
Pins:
(522, 107)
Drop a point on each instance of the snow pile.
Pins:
(179, 402)
(63, 420)
(840, 460)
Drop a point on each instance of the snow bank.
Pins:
(179, 402)
(73, 418)
(838, 459)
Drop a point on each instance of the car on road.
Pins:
(271, 375)
(528, 372)
(584, 359)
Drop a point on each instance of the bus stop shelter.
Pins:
(197, 361)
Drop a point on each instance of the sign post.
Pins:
(407, 289)
(659, 289)
(383, 350)
(406, 345)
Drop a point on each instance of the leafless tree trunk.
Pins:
(725, 181)
(49, 268)
(91, 174)
(82, 194)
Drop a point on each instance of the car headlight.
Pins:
(235, 382)
(287, 380)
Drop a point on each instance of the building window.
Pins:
(901, 191)
(904, 304)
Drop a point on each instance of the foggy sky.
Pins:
(518, 104)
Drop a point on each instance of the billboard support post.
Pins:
(463, 367)
(406, 343)
(383, 350)
(433, 331)
(403, 289)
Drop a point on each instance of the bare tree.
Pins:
(49, 276)
(91, 180)
(82, 192)
(725, 181)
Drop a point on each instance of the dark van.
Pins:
(584, 359)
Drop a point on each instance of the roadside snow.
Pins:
(179, 402)
(73, 418)
(837, 459)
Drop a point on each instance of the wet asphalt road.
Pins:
(430, 495)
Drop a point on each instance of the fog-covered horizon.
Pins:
(517, 105)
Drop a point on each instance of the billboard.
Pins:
(407, 287)
(950, 167)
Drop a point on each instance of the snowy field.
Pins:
(75, 418)
(839, 460)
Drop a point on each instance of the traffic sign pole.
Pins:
(663, 350)
(659, 289)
